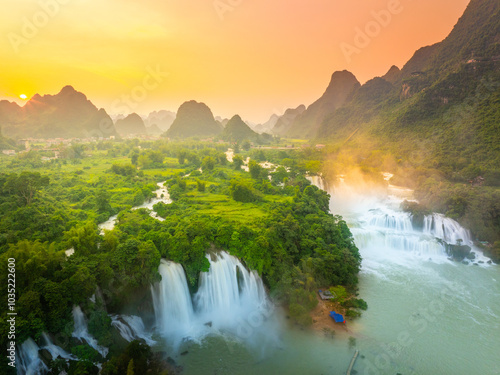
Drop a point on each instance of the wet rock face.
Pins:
(459, 252)
(45, 356)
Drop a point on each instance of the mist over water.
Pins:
(426, 313)
(231, 302)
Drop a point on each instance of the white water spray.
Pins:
(230, 301)
(29, 363)
(81, 331)
(132, 328)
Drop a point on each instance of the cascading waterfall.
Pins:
(54, 350)
(380, 225)
(446, 229)
(227, 290)
(81, 331)
(29, 363)
(172, 302)
(318, 181)
(229, 296)
(131, 328)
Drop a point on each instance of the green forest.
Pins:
(277, 223)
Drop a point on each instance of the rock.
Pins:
(475, 264)
(465, 262)
(471, 256)
(458, 252)
(45, 356)
(73, 341)
(185, 352)
(170, 361)
(481, 262)
(208, 324)
(489, 262)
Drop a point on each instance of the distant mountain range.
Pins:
(65, 115)
(443, 105)
(69, 114)
(423, 98)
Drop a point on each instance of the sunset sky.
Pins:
(254, 58)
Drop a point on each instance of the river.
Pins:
(426, 315)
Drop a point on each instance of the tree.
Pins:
(256, 171)
(26, 185)
(134, 157)
(200, 185)
(245, 145)
(243, 192)
(181, 156)
(208, 163)
(102, 201)
(83, 239)
(130, 367)
(237, 162)
(279, 175)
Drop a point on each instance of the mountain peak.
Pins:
(237, 130)
(67, 114)
(392, 75)
(342, 85)
(132, 124)
(67, 90)
(194, 119)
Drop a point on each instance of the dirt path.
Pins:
(322, 322)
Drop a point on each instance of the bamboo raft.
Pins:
(352, 362)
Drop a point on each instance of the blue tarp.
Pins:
(337, 317)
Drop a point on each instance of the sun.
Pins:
(23, 97)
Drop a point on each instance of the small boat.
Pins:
(338, 318)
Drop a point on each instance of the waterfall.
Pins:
(446, 229)
(385, 228)
(172, 302)
(81, 331)
(55, 351)
(399, 221)
(131, 328)
(227, 290)
(231, 300)
(318, 181)
(28, 361)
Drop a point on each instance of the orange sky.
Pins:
(253, 57)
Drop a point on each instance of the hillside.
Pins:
(341, 87)
(435, 123)
(162, 119)
(283, 123)
(237, 130)
(443, 105)
(67, 114)
(194, 120)
(131, 125)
